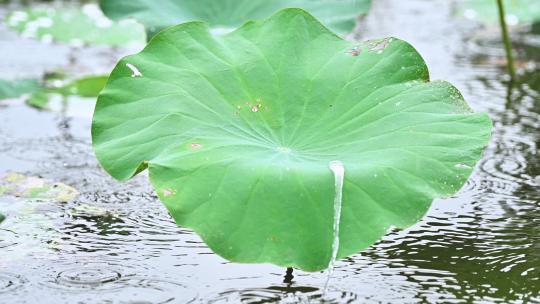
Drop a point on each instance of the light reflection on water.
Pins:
(117, 244)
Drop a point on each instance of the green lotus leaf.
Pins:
(516, 11)
(16, 88)
(2, 218)
(238, 131)
(86, 25)
(88, 86)
(339, 15)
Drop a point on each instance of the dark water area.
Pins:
(116, 243)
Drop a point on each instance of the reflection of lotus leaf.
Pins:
(18, 185)
(238, 131)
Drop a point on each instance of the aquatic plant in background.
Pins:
(506, 40)
(89, 25)
(224, 15)
(88, 86)
(510, 12)
(40, 91)
(35, 188)
(85, 25)
(246, 136)
(517, 11)
(18, 87)
(31, 202)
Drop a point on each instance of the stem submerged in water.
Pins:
(288, 276)
(506, 41)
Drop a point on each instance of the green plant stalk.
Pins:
(506, 41)
(288, 276)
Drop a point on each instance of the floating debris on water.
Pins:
(18, 185)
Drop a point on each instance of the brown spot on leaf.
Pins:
(378, 46)
(168, 192)
(355, 51)
(253, 107)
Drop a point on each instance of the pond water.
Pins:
(116, 243)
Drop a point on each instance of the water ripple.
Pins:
(10, 282)
(8, 238)
(87, 277)
(283, 295)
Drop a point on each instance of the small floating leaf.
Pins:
(75, 25)
(339, 15)
(2, 218)
(89, 86)
(255, 185)
(38, 100)
(16, 88)
(18, 185)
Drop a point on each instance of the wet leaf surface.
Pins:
(238, 130)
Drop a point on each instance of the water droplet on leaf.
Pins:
(462, 166)
(195, 146)
(283, 149)
(134, 70)
(168, 192)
